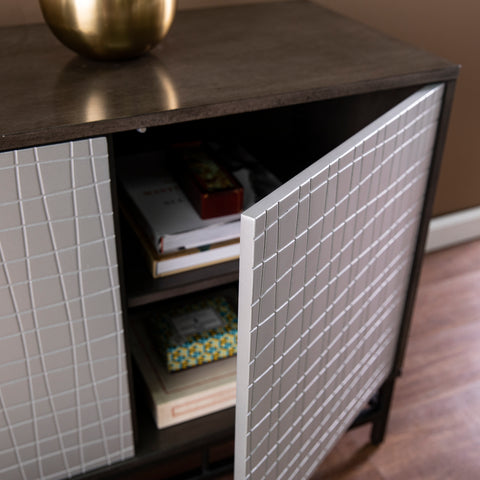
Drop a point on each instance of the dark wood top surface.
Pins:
(213, 62)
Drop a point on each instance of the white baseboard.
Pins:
(452, 229)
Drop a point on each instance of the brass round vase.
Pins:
(109, 29)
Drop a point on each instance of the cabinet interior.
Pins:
(286, 140)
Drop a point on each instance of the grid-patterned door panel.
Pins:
(325, 265)
(64, 400)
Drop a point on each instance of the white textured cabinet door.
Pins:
(64, 399)
(325, 264)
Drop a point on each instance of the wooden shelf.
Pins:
(143, 289)
(192, 435)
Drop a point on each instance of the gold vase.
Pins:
(109, 29)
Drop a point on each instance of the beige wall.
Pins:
(449, 29)
(17, 12)
(443, 27)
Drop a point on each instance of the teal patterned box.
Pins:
(190, 334)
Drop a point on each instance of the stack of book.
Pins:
(185, 207)
(177, 397)
(162, 263)
(172, 234)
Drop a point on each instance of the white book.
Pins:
(185, 395)
(166, 214)
(163, 264)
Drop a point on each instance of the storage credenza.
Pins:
(353, 123)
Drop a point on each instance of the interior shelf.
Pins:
(143, 289)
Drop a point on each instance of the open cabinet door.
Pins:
(325, 266)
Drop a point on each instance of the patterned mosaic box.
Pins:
(194, 333)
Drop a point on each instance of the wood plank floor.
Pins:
(434, 427)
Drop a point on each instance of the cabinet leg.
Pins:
(384, 399)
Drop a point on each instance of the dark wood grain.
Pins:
(434, 428)
(213, 62)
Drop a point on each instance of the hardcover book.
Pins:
(164, 211)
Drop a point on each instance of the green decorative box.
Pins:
(191, 334)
